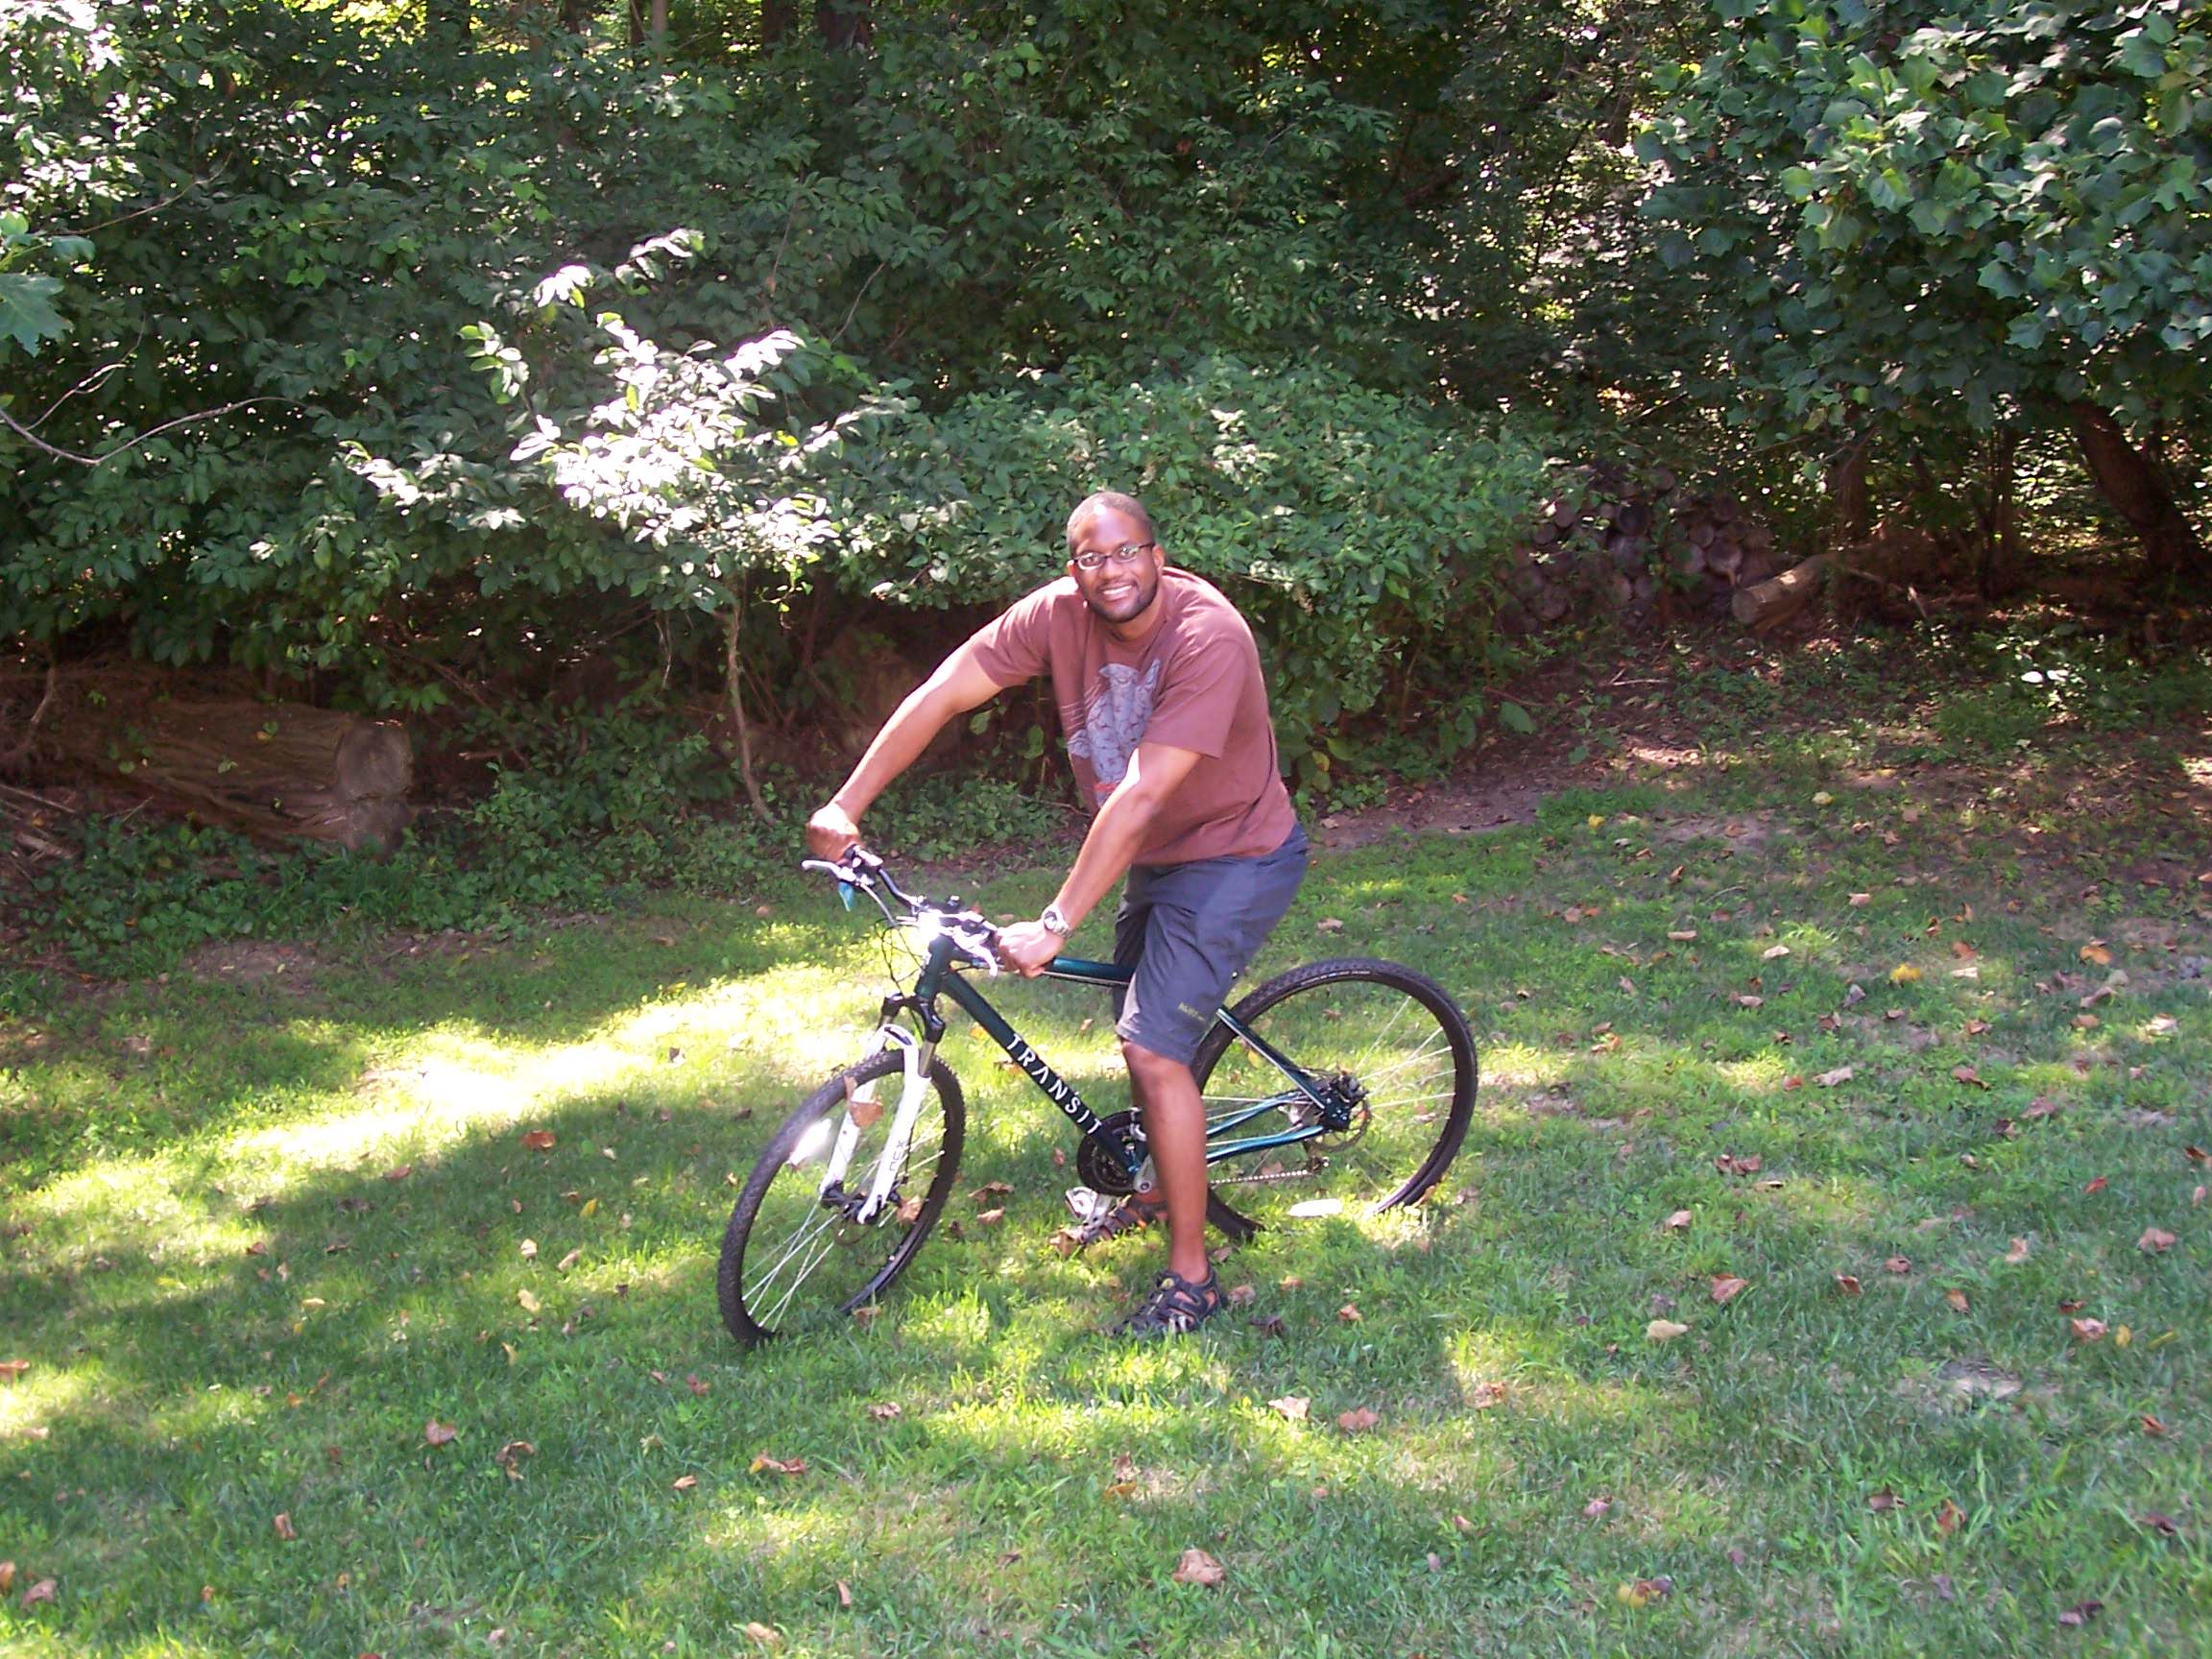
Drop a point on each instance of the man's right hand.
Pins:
(831, 832)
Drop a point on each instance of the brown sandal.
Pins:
(1176, 1307)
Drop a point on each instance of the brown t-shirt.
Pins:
(1194, 682)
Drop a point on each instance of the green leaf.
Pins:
(27, 313)
(1515, 718)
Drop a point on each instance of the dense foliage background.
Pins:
(407, 357)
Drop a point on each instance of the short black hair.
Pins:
(1111, 501)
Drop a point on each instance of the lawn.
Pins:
(1825, 1273)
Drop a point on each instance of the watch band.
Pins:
(1055, 921)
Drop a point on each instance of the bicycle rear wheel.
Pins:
(1389, 1051)
(794, 1255)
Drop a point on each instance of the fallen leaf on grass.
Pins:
(1241, 1295)
(2162, 1525)
(2153, 1426)
(437, 1433)
(1903, 974)
(399, 1172)
(2097, 1184)
(1643, 1591)
(990, 1217)
(1967, 1074)
(1898, 1265)
(1859, 900)
(844, 1593)
(568, 1261)
(992, 1189)
(1462, 1524)
(1881, 1501)
(1196, 1566)
(767, 1635)
(1774, 953)
(1664, 1330)
(1596, 1508)
(1848, 1284)
(283, 1527)
(1293, 1406)
(2018, 1253)
(2095, 951)
(6, 1577)
(2087, 1330)
(1675, 1222)
(1330, 925)
(684, 1482)
(1948, 1518)
(510, 1457)
(528, 1302)
(2155, 1241)
(1751, 1000)
(1832, 1079)
(2197, 1155)
(1727, 1287)
(2081, 1612)
(1358, 1420)
(1348, 1313)
(42, 1591)
(528, 1249)
(765, 1464)
(1957, 1300)
(884, 1411)
(12, 1369)
(538, 1140)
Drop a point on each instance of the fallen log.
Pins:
(274, 771)
(1762, 605)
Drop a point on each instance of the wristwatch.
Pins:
(1055, 922)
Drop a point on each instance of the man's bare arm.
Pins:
(959, 686)
(1155, 773)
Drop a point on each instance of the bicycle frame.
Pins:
(941, 976)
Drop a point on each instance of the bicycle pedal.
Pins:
(1087, 1204)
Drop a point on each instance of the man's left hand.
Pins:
(1029, 948)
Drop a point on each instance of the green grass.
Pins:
(258, 1229)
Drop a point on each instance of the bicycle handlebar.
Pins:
(977, 939)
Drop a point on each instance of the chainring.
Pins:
(1101, 1170)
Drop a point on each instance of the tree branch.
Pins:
(36, 441)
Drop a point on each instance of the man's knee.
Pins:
(1146, 1065)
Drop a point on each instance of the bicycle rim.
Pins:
(1383, 1037)
(792, 1261)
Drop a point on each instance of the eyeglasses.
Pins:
(1128, 553)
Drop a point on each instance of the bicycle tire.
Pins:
(1393, 1030)
(788, 1262)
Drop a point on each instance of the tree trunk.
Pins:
(1848, 492)
(656, 22)
(735, 685)
(2130, 481)
(275, 771)
(1764, 604)
(844, 25)
(777, 18)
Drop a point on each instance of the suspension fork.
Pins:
(916, 1055)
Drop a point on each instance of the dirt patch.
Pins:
(248, 960)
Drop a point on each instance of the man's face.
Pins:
(1118, 591)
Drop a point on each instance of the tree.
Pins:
(1949, 215)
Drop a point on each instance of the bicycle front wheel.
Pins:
(1392, 1057)
(796, 1253)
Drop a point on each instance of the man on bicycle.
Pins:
(1160, 697)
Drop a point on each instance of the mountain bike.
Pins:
(1343, 1087)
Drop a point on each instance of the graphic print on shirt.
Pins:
(1115, 716)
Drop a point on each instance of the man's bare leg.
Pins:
(1175, 1131)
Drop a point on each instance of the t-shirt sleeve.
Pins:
(1200, 692)
(1016, 645)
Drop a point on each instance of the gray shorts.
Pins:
(1189, 930)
